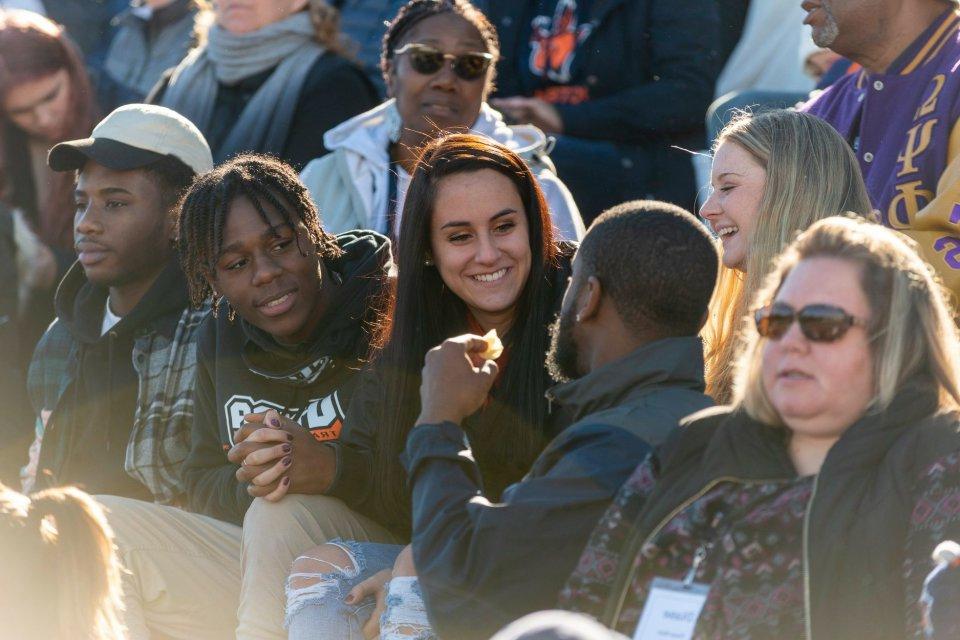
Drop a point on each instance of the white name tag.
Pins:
(672, 610)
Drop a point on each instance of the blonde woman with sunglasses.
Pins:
(811, 506)
(438, 61)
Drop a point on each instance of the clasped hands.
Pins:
(277, 456)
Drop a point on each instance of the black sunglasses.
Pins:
(429, 60)
(818, 322)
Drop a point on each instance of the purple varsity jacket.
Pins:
(902, 125)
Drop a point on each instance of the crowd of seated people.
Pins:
(343, 319)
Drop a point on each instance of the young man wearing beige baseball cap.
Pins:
(111, 381)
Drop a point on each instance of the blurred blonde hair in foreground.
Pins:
(60, 577)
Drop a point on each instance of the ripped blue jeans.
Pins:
(315, 606)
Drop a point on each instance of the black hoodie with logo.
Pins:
(92, 409)
(242, 369)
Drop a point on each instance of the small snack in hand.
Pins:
(494, 346)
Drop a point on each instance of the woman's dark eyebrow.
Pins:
(462, 223)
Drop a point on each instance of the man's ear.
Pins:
(588, 304)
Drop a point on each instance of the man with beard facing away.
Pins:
(626, 350)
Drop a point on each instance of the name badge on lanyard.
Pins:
(673, 606)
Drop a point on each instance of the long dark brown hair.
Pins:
(423, 313)
(32, 47)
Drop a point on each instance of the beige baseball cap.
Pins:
(133, 136)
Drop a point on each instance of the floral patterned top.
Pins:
(752, 535)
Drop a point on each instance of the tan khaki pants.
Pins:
(194, 577)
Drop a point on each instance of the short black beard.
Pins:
(562, 359)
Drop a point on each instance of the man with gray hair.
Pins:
(899, 113)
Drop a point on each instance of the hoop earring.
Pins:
(215, 306)
(231, 314)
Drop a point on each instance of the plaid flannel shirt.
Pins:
(166, 368)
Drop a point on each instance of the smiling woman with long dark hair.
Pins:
(477, 252)
(440, 292)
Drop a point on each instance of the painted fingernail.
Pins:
(287, 461)
(286, 481)
(350, 598)
(287, 448)
(290, 437)
(275, 422)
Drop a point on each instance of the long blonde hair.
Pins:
(60, 577)
(811, 174)
(914, 335)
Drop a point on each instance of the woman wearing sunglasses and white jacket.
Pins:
(810, 507)
(438, 62)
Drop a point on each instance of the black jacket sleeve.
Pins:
(683, 38)
(212, 487)
(334, 91)
(481, 565)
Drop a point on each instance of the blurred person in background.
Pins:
(90, 24)
(774, 174)
(152, 36)
(61, 576)
(362, 21)
(269, 78)
(767, 67)
(45, 98)
(27, 5)
(437, 59)
(620, 83)
(940, 600)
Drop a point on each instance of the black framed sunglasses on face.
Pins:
(818, 322)
(429, 60)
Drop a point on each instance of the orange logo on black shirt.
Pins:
(554, 40)
(322, 417)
